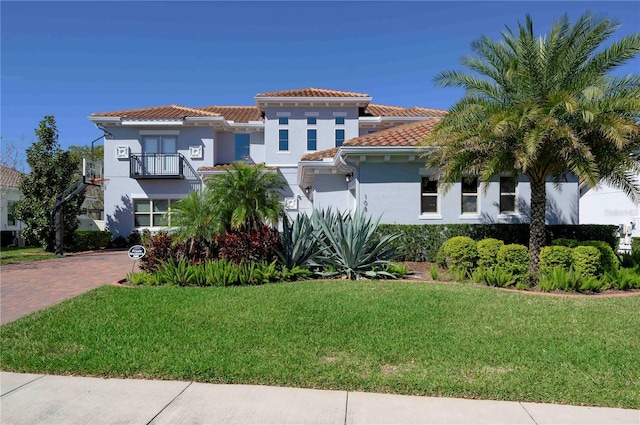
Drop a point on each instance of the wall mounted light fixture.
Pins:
(307, 190)
(348, 177)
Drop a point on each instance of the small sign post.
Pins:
(135, 253)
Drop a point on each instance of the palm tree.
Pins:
(194, 221)
(246, 197)
(543, 108)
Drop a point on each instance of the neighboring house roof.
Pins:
(403, 135)
(235, 113)
(311, 92)
(10, 177)
(376, 110)
(158, 112)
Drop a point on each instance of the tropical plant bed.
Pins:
(380, 336)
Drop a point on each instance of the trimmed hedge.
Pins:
(461, 253)
(555, 256)
(608, 259)
(89, 240)
(514, 258)
(488, 252)
(586, 260)
(421, 242)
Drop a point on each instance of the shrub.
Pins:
(89, 240)
(586, 260)
(461, 254)
(348, 245)
(260, 245)
(397, 270)
(160, 249)
(555, 256)
(135, 238)
(422, 242)
(622, 279)
(570, 243)
(441, 258)
(494, 276)
(299, 240)
(119, 242)
(488, 252)
(608, 259)
(433, 271)
(514, 259)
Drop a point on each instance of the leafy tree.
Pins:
(245, 197)
(52, 172)
(543, 108)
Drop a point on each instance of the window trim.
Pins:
(515, 211)
(152, 214)
(281, 140)
(336, 137)
(315, 140)
(463, 194)
(430, 214)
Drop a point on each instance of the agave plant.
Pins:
(348, 245)
(299, 242)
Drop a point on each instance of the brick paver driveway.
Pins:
(32, 286)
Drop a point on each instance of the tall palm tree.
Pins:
(246, 197)
(543, 108)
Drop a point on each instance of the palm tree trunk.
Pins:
(537, 226)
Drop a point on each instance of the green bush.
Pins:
(555, 256)
(461, 254)
(488, 252)
(586, 260)
(514, 259)
(622, 279)
(569, 243)
(494, 276)
(422, 242)
(89, 240)
(608, 259)
(441, 258)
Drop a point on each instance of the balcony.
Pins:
(157, 166)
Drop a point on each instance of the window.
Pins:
(507, 195)
(339, 120)
(339, 137)
(283, 140)
(242, 147)
(372, 131)
(311, 120)
(152, 212)
(311, 140)
(469, 195)
(283, 120)
(429, 192)
(11, 213)
(160, 154)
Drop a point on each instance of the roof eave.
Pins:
(272, 101)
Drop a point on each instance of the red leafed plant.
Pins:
(256, 246)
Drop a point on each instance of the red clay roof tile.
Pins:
(158, 112)
(235, 113)
(311, 92)
(376, 110)
(403, 135)
(320, 155)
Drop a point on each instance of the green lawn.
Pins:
(410, 338)
(20, 255)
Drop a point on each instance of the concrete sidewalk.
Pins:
(46, 399)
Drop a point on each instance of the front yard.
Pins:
(381, 336)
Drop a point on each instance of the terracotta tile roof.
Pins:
(235, 113)
(320, 155)
(228, 167)
(311, 92)
(10, 177)
(402, 135)
(158, 113)
(376, 110)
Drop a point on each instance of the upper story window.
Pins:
(339, 120)
(507, 195)
(11, 213)
(152, 145)
(283, 140)
(152, 212)
(283, 120)
(429, 196)
(312, 139)
(339, 137)
(312, 120)
(242, 147)
(469, 195)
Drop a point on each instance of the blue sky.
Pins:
(70, 59)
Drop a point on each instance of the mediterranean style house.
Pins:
(333, 148)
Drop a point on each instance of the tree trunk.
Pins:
(537, 226)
